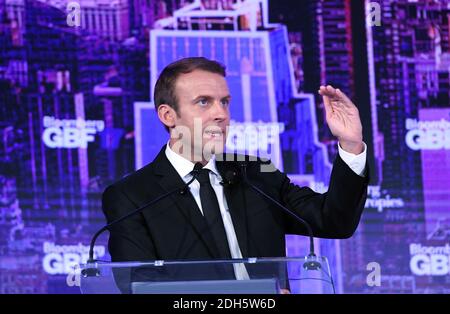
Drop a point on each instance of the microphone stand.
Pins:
(311, 263)
(92, 271)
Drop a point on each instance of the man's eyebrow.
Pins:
(209, 97)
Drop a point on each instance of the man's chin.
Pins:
(213, 147)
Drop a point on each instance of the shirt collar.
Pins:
(184, 166)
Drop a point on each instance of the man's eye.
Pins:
(202, 102)
(225, 102)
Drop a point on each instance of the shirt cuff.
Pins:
(356, 162)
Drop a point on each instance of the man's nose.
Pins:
(219, 112)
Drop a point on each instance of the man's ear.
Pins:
(167, 115)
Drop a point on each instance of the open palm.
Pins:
(343, 118)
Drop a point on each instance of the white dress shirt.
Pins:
(356, 162)
(183, 167)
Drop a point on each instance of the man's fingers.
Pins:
(336, 96)
(326, 100)
(345, 100)
(328, 107)
(320, 91)
(331, 90)
(328, 91)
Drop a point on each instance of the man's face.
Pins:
(203, 111)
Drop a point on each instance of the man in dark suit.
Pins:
(214, 220)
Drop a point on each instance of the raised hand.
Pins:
(343, 119)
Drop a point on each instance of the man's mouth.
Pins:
(214, 134)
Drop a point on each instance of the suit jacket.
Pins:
(174, 228)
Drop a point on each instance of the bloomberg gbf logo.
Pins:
(70, 133)
(61, 259)
(428, 135)
(429, 260)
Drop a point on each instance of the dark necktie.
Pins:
(211, 212)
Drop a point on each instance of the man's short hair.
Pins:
(165, 85)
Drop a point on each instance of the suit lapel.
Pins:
(186, 204)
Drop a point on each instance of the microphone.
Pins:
(182, 190)
(311, 263)
(230, 178)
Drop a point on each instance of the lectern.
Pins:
(296, 275)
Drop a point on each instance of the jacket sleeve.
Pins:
(334, 214)
(129, 240)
